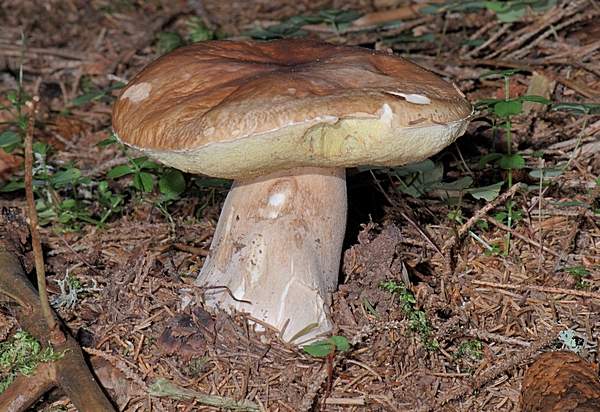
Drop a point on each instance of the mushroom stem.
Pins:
(278, 245)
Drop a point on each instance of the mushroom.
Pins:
(284, 119)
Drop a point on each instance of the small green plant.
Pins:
(501, 111)
(506, 11)
(578, 272)
(198, 31)
(57, 185)
(469, 348)
(336, 19)
(146, 174)
(458, 217)
(511, 215)
(57, 188)
(339, 19)
(419, 321)
(20, 355)
(167, 42)
(10, 139)
(290, 28)
(110, 202)
(510, 11)
(326, 346)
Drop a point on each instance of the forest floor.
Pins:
(476, 313)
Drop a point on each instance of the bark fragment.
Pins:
(561, 381)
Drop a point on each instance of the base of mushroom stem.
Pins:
(277, 249)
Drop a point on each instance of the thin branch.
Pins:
(545, 289)
(518, 235)
(56, 335)
(479, 215)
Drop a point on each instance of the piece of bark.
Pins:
(25, 390)
(14, 237)
(560, 381)
(70, 372)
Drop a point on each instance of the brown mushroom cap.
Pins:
(240, 109)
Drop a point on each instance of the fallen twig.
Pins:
(478, 216)
(518, 235)
(546, 289)
(162, 387)
(56, 335)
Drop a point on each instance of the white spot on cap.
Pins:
(386, 115)
(412, 97)
(326, 119)
(137, 92)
